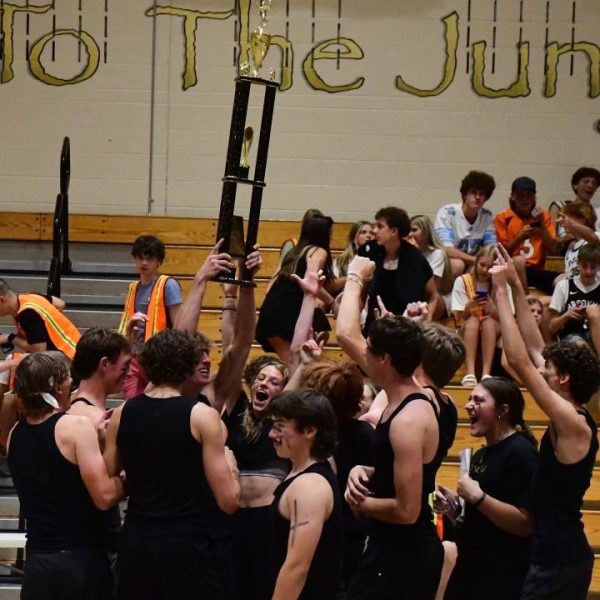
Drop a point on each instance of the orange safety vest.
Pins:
(469, 282)
(157, 311)
(11, 379)
(61, 331)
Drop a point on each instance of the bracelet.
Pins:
(356, 278)
(231, 308)
(232, 297)
(483, 497)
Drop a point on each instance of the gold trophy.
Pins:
(260, 38)
(246, 145)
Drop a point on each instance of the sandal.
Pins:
(469, 381)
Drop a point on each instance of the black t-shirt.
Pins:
(400, 286)
(505, 471)
(34, 328)
(253, 456)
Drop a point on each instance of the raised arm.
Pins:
(532, 336)
(565, 419)
(228, 382)
(189, 312)
(347, 330)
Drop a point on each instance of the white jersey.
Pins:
(453, 228)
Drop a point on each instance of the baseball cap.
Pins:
(523, 184)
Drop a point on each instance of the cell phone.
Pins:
(537, 223)
(481, 294)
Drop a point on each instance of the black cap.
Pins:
(523, 184)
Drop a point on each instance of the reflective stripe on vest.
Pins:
(61, 331)
(157, 311)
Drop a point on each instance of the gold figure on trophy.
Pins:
(247, 143)
(260, 38)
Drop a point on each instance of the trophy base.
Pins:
(234, 281)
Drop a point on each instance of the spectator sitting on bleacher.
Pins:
(424, 237)
(151, 305)
(62, 481)
(476, 315)
(359, 234)
(585, 182)
(575, 218)
(575, 306)
(528, 233)
(464, 228)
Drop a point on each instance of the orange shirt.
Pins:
(508, 226)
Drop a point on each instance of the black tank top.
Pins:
(447, 422)
(108, 521)
(558, 536)
(324, 579)
(382, 485)
(578, 297)
(168, 491)
(54, 500)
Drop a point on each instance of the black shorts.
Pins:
(558, 582)
(394, 571)
(68, 575)
(165, 567)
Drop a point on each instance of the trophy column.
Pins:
(240, 137)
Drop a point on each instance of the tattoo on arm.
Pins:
(295, 524)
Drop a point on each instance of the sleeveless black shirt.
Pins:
(108, 521)
(168, 491)
(558, 536)
(578, 297)
(59, 511)
(382, 484)
(324, 579)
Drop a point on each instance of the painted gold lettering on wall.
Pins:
(8, 18)
(520, 88)
(554, 52)
(351, 50)
(190, 26)
(39, 72)
(451, 37)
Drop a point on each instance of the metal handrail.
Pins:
(60, 262)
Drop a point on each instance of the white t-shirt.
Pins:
(560, 297)
(460, 296)
(436, 260)
(453, 228)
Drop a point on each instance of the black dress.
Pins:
(281, 307)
